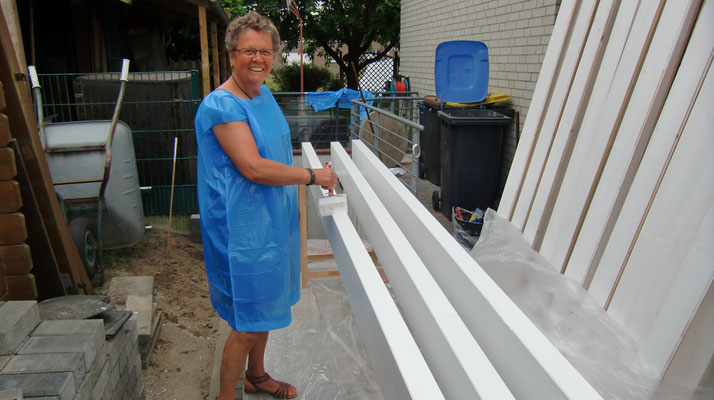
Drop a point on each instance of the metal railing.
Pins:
(390, 128)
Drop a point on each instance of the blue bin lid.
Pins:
(461, 71)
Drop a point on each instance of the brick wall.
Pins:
(515, 31)
(16, 281)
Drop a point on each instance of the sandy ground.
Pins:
(180, 366)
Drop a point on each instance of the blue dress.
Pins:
(251, 240)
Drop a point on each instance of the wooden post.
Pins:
(302, 215)
(214, 55)
(205, 67)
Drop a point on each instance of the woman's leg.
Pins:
(256, 366)
(235, 351)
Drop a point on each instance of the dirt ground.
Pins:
(180, 365)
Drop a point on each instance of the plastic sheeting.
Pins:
(328, 99)
(250, 231)
(597, 346)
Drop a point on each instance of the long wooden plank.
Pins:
(598, 130)
(542, 149)
(670, 266)
(457, 361)
(541, 97)
(396, 359)
(617, 177)
(529, 364)
(564, 127)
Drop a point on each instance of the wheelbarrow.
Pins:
(93, 169)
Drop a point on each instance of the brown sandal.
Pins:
(282, 392)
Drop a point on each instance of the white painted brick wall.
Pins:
(516, 33)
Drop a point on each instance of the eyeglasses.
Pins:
(265, 53)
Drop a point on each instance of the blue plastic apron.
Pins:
(250, 231)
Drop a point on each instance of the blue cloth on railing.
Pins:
(342, 98)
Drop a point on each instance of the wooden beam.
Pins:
(456, 359)
(214, 52)
(536, 111)
(529, 364)
(205, 64)
(9, 8)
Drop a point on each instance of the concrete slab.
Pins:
(17, 320)
(142, 307)
(59, 384)
(44, 363)
(121, 287)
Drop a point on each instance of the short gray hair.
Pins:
(253, 21)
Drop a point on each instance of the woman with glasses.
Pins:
(248, 205)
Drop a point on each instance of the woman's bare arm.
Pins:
(237, 141)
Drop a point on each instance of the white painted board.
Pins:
(457, 361)
(670, 266)
(564, 127)
(529, 364)
(542, 148)
(599, 128)
(625, 160)
(539, 103)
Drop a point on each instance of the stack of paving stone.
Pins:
(66, 359)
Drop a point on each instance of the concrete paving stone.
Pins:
(121, 287)
(52, 362)
(92, 327)
(62, 344)
(11, 394)
(102, 383)
(142, 307)
(17, 320)
(59, 384)
(3, 361)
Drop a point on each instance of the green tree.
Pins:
(330, 25)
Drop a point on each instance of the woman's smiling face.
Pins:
(252, 70)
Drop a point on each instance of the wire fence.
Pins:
(158, 107)
(391, 127)
(161, 106)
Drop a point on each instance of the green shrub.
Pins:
(287, 78)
